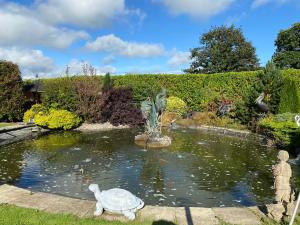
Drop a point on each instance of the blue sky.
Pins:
(129, 36)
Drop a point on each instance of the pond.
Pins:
(198, 169)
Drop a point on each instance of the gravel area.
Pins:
(100, 127)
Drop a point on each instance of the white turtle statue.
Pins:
(116, 200)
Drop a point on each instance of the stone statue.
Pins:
(152, 111)
(282, 173)
(116, 200)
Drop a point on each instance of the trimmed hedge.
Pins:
(196, 90)
(290, 95)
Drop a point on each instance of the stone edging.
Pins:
(83, 208)
(17, 133)
(15, 127)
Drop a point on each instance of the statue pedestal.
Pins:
(148, 142)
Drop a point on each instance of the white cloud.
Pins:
(108, 60)
(18, 26)
(30, 61)
(196, 8)
(75, 68)
(179, 58)
(259, 3)
(87, 13)
(115, 45)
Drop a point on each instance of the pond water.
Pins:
(198, 169)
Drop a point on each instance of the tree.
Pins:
(270, 83)
(11, 92)
(223, 49)
(287, 54)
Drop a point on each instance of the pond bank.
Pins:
(84, 208)
(100, 127)
(11, 134)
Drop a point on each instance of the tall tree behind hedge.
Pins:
(287, 54)
(223, 49)
(11, 93)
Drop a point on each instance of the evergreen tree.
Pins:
(223, 49)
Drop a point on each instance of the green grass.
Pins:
(6, 124)
(12, 215)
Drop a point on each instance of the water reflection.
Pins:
(199, 169)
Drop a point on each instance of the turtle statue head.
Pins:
(94, 188)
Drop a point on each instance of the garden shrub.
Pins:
(209, 119)
(61, 93)
(57, 119)
(30, 114)
(89, 98)
(176, 105)
(12, 100)
(283, 128)
(118, 108)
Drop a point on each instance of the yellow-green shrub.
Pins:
(30, 114)
(176, 105)
(283, 128)
(57, 119)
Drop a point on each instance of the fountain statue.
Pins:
(284, 196)
(152, 112)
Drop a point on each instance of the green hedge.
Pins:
(290, 96)
(197, 90)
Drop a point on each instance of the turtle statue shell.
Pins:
(119, 199)
(116, 200)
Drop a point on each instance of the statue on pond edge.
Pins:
(116, 200)
(284, 196)
(152, 110)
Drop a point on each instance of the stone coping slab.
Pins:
(20, 132)
(15, 127)
(84, 208)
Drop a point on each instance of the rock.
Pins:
(159, 142)
(275, 211)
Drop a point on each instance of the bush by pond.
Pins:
(176, 105)
(57, 119)
(282, 128)
(12, 101)
(32, 112)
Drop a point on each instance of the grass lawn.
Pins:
(11, 215)
(6, 124)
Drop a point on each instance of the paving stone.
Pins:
(233, 215)
(195, 216)
(158, 213)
